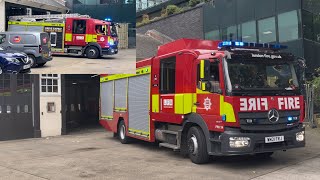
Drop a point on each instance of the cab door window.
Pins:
(79, 27)
(167, 75)
(214, 77)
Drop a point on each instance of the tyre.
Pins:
(41, 64)
(122, 129)
(92, 52)
(263, 155)
(197, 146)
(33, 60)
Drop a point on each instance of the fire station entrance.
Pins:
(18, 94)
(80, 103)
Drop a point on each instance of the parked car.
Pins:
(13, 62)
(35, 44)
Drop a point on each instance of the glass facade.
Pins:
(267, 30)
(295, 23)
(288, 24)
(144, 4)
(249, 32)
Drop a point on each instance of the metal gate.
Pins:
(309, 104)
(16, 97)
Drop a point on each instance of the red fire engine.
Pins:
(209, 98)
(72, 34)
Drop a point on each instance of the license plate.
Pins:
(274, 139)
(27, 66)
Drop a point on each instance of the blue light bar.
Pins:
(108, 19)
(290, 118)
(237, 44)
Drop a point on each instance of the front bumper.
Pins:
(257, 142)
(110, 51)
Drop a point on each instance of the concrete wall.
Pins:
(188, 24)
(2, 15)
(50, 122)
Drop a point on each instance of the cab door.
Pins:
(167, 84)
(209, 93)
(80, 29)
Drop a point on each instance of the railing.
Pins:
(309, 105)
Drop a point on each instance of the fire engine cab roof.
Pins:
(187, 44)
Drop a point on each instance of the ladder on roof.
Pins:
(51, 16)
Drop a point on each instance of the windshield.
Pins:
(114, 32)
(261, 74)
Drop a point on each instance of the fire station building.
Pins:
(295, 23)
(29, 7)
(46, 105)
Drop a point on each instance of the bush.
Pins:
(316, 83)
(193, 3)
(172, 9)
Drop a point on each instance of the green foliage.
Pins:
(193, 3)
(172, 9)
(316, 84)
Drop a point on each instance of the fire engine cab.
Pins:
(207, 98)
(72, 34)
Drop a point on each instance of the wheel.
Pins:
(197, 147)
(33, 60)
(124, 139)
(263, 155)
(41, 64)
(92, 52)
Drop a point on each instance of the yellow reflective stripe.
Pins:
(183, 103)
(91, 38)
(201, 69)
(155, 103)
(36, 23)
(139, 131)
(203, 86)
(120, 109)
(68, 37)
(145, 70)
(140, 71)
(227, 109)
(107, 117)
(194, 106)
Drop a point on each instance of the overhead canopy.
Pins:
(52, 5)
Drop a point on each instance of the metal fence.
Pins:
(309, 105)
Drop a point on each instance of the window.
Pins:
(53, 39)
(18, 108)
(8, 109)
(212, 35)
(229, 33)
(26, 108)
(24, 84)
(50, 83)
(51, 107)
(249, 33)
(316, 25)
(267, 30)
(288, 24)
(79, 27)
(168, 75)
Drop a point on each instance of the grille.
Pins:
(262, 123)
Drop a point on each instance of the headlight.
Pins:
(239, 142)
(300, 136)
(14, 60)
